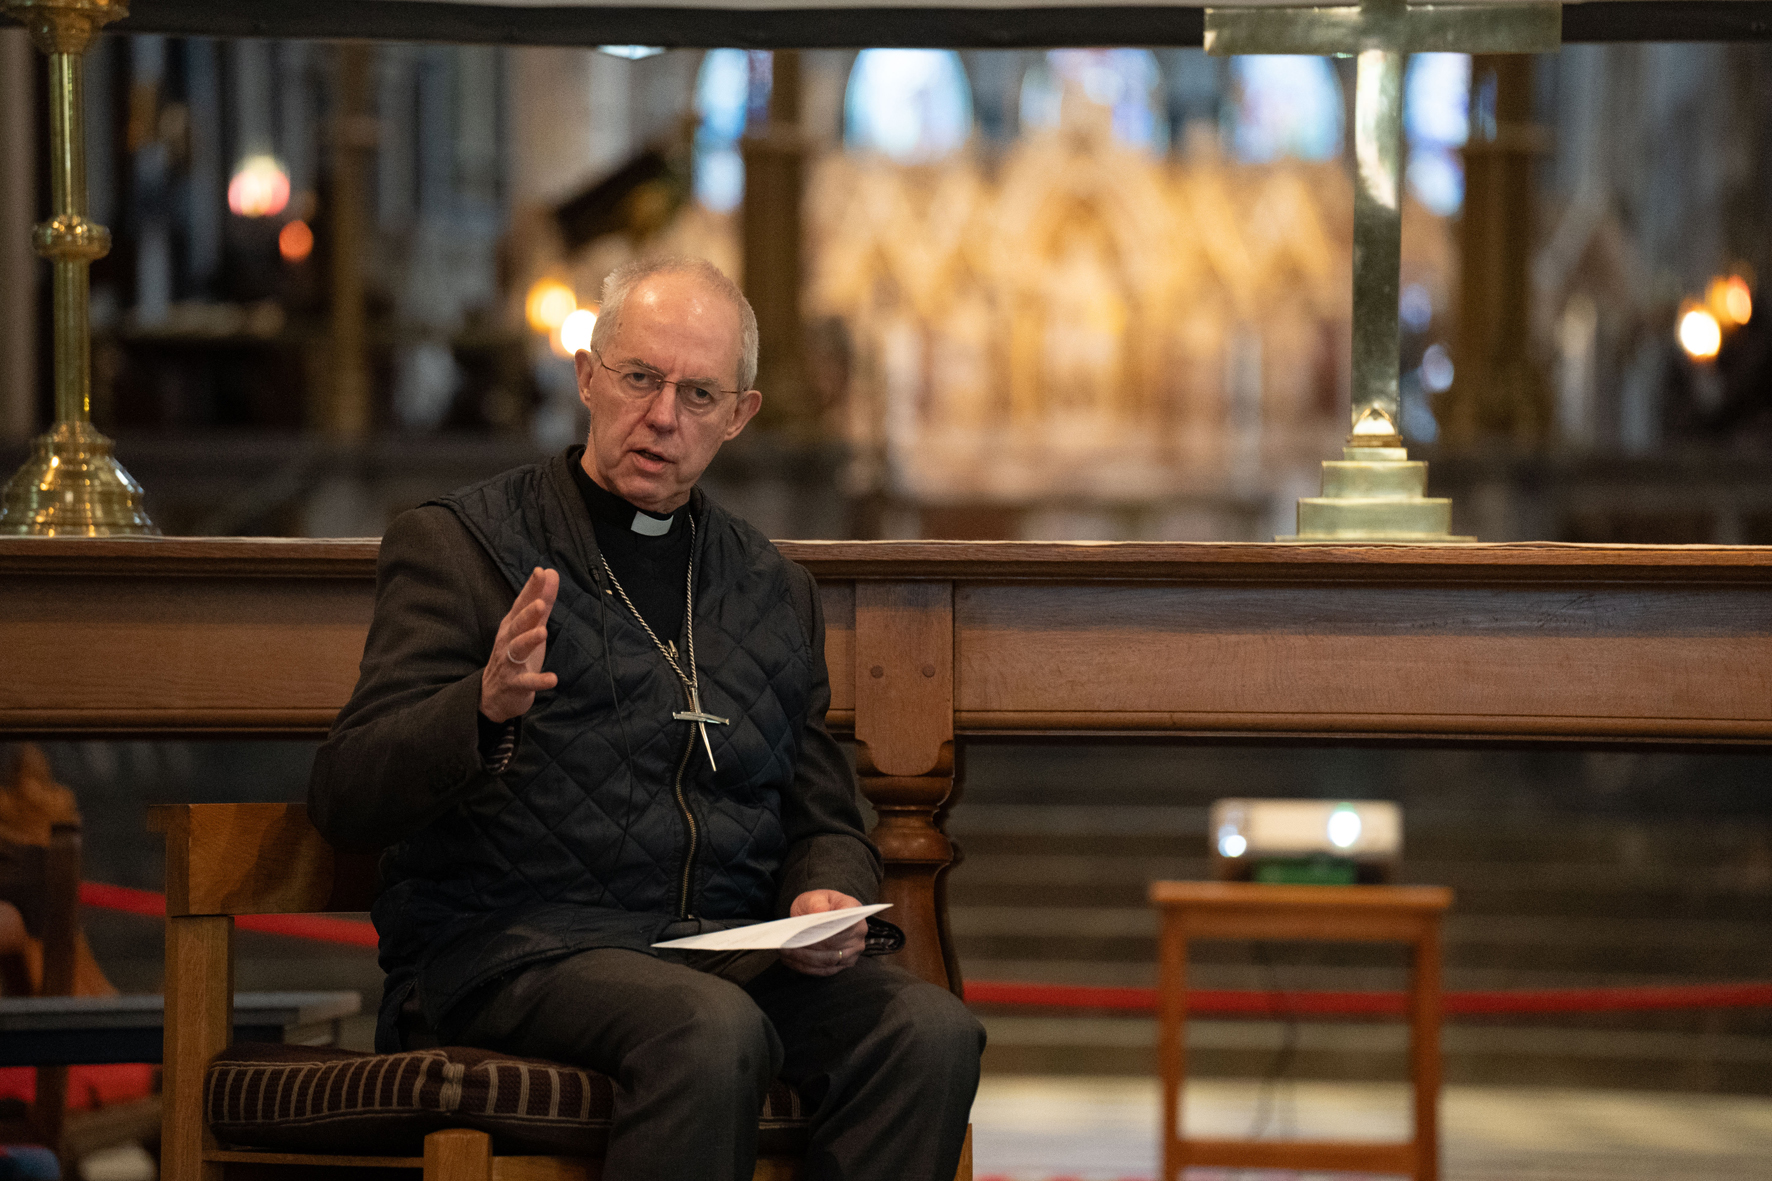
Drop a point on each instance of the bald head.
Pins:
(624, 280)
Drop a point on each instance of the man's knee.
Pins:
(711, 1022)
(933, 1030)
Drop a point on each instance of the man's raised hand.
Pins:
(512, 676)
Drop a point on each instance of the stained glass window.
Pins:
(1284, 105)
(1126, 82)
(1436, 120)
(732, 88)
(913, 105)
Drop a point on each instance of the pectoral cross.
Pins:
(1380, 32)
(696, 715)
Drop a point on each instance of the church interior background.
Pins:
(1091, 294)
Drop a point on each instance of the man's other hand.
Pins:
(513, 676)
(829, 956)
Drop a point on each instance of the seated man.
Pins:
(590, 718)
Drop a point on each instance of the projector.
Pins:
(1306, 842)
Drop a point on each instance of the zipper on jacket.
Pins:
(689, 828)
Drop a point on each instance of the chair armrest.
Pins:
(256, 859)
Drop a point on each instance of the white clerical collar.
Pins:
(651, 526)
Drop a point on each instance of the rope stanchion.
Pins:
(1201, 1002)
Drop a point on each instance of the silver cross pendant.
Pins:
(696, 715)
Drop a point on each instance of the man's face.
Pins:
(651, 451)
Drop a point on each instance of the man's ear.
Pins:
(749, 403)
(584, 364)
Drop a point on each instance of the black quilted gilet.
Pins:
(582, 841)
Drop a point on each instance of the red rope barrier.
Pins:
(323, 928)
(1204, 1002)
(1225, 1003)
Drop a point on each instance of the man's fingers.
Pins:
(507, 684)
(519, 619)
(811, 961)
(542, 587)
(531, 683)
(545, 588)
(535, 613)
(819, 901)
(522, 647)
(856, 933)
(532, 588)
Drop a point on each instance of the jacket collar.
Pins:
(564, 512)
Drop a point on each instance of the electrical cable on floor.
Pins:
(1267, 1095)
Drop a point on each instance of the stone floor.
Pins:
(1047, 1128)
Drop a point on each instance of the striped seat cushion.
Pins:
(319, 1100)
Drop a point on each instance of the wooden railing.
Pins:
(929, 642)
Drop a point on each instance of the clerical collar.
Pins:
(606, 506)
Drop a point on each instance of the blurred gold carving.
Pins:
(1089, 321)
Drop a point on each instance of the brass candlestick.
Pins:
(72, 484)
(1374, 492)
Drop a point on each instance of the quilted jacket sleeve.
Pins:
(827, 846)
(409, 742)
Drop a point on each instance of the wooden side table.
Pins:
(1330, 914)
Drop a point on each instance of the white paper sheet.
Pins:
(797, 932)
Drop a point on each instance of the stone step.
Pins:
(1473, 1054)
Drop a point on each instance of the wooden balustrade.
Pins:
(929, 642)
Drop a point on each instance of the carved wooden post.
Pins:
(904, 736)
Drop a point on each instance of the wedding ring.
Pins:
(512, 658)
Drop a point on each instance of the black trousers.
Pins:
(886, 1062)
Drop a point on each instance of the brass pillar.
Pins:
(72, 484)
(1375, 492)
(1499, 390)
(774, 185)
(1378, 234)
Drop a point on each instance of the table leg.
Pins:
(1172, 1040)
(1424, 1049)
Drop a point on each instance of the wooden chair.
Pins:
(60, 925)
(1331, 914)
(224, 860)
(39, 813)
(63, 968)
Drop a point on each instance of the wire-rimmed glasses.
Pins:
(641, 383)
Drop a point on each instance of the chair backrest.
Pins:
(256, 859)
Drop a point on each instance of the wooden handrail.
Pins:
(257, 557)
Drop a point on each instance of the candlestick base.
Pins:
(1375, 494)
(73, 486)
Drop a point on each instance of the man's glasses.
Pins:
(641, 385)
